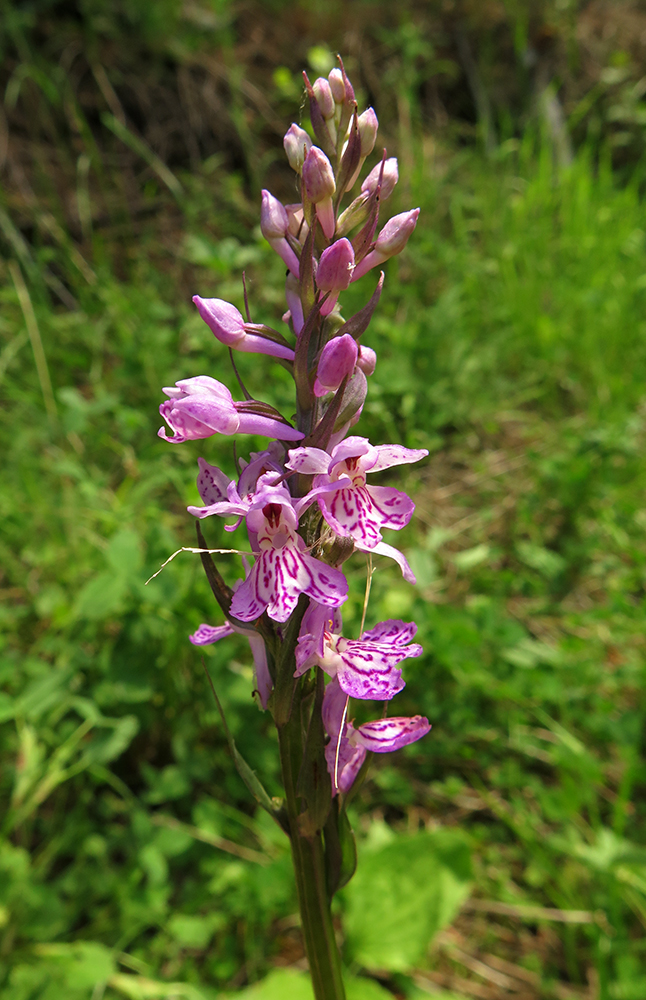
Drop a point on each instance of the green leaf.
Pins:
(81, 965)
(286, 983)
(102, 596)
(404, 892)
(249, 776)
(340, 849)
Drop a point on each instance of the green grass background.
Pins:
(511, 339)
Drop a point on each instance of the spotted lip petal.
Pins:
(205, 635)
(280, 576)
(366, 671)
(365, 668)
(212, 483)
(385, 735)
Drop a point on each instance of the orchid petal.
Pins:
(394, 507)
(385, 735)
(382, 549)
(207, 634)
(308, 461)
(212, 483)
(396, 454)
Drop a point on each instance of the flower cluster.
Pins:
(306, 501)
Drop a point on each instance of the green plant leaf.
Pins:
(404, 892)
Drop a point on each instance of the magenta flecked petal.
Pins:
(309, 461)
(389, 455)
(212, 483)
(386, 735)
(395, 508)
(393, 630)
(207, 634)
(352, 514)
(364, 673)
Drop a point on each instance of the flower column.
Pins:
(306, 504)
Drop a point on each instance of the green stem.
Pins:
(309, 868)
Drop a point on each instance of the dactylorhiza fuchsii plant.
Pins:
(307, 503)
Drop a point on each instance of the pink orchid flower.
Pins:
(360, 511)
(347, 749)
(365, 668)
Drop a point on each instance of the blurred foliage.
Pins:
(511, 343)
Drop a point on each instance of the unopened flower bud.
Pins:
(323, 95)
(318, 179)
(367, 360)
(335, 267)
(337, 86)
(338, 360)
(274, 224)
(391, 240)
(297, 144)
(318, 176)
(396, 233)
(388, 179)
(368, 126)
(228, 326)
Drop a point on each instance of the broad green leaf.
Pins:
(102, 596)
(81, 965)
(404, 892)
(287, 984)
(141, 988)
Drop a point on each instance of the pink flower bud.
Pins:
(388, 180)
(227, 325)
(337, 86)
(222, 318)
(318, 176)
(367, 360)
(335, 268)
(396, 233)
(368, 126)
(324, 97)
(297, 144)
(274, 222)
(391, 240)
(338, 360)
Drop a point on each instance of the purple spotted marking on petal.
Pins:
(207, 634)
(385, 735)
